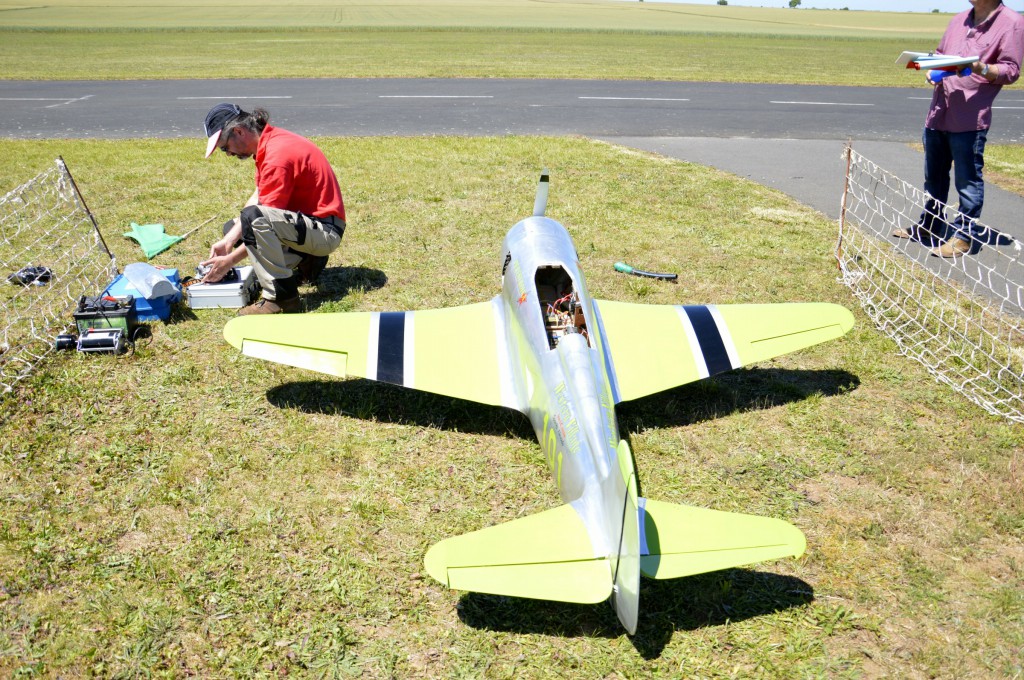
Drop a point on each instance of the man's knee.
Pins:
(250, 214)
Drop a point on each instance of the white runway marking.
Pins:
(435, 96)
(61, 102)
(638, 99)
(824, 103)
(225, 98)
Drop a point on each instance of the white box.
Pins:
(231, 295)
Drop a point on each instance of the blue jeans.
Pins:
(965, 152)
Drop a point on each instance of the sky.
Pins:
(878, 5)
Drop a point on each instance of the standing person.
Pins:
(958, 120)
(292, 222)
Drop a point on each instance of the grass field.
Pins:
(188, 511)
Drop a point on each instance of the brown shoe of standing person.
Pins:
(954, 247)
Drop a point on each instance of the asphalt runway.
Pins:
(788, 137)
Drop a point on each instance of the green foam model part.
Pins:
(151, 238)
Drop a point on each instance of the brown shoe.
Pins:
(917, 233)
(265, 306)
(954, 247)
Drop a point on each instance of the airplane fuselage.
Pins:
(552, 326)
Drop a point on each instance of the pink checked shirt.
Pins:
(965, 104)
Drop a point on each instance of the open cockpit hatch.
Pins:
(559, 304)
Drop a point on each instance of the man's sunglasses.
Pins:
(224, 146)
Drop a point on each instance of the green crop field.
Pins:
(494, 38)
(560, 15)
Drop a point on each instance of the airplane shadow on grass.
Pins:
(678, 604)
(742, 390)
(683, 604)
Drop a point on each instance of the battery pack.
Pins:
(98, 312)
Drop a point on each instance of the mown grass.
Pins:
(187, 511)
(1004, 165)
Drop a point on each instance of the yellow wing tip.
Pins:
(233, 333)
(846, 320)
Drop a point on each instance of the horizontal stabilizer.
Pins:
(547, 556)
(680, 540)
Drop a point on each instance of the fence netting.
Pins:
(962, 318)
(50, 252)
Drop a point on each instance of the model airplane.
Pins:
(929, 61)
(546, 348)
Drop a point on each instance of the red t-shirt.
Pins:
(293, 174)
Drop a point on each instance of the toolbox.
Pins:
(235, 293)
(157, 309)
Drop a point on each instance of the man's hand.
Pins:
(987, 71)
(221, 248)
(219, 266)
(227, 244)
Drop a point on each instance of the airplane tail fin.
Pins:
(540, 203)
(627, 565)
(681, 540)
(547, 556)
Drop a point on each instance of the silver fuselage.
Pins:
(571, 408)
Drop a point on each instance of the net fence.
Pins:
(962, 318)
(50, 254)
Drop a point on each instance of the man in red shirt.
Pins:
(292, 222)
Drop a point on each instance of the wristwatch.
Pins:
(984, 70)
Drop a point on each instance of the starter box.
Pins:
(158, 309)
(233, 294)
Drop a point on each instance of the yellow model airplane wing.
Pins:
(657, 347)
(456, 351)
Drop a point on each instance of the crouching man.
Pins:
(292, 222)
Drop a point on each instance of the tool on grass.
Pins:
(626, 269)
